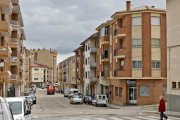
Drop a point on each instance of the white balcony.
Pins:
(92, 64)
(92, 50)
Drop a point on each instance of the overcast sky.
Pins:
(63, 24)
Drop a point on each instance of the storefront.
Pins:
(132, 91)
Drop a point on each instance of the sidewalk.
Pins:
(168, 113)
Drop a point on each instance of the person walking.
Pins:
(162, 108)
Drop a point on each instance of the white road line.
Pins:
(99, 119)
(114, 118)
(145, 118)
(130, 118)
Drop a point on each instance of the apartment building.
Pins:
(39, 74)
(173, 44)
(66, 74)
(79, 75)
(47, 58)
(89, 66)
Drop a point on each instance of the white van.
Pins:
(5, 111)
(19, 108)
(72, 91)
(66, 93)
(100, 100)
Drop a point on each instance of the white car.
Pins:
(19, 108)
(76, 99)
(72, 91)
(5, 112)
(100, 100)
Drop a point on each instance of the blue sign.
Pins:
(131, 82)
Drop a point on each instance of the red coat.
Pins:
(162, 106)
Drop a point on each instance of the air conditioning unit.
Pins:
(122, 63)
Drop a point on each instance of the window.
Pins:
(36, 78)
(144, 90)
(86, 74)
(73, 61)
(73, 69)
(136, 21)
(105, 31)
(173, 84)
(36, 74)
(137, 64)
(73, 77)
(164, 90)
(86, 47)
(86, 61)
(155, 42)
(116, 90)
(137, 42)
(179, 85)
(36, 69)
(155, 20)
(31, 53)
(156, 64)
(120, 92)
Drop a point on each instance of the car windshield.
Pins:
(16, 107)
(104, 97)
(99, 97)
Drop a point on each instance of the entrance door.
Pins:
(133, 95)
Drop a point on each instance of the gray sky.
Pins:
(63, 24)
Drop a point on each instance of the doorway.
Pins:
(132, 94)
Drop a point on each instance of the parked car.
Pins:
(19, 108)
(100, 100)
(72, 91)
(76, 99)
(42, 87)
(5, 111)
(66, 93)
(33, 97)
(33, 88)
(30, 101)
(57, 89)
(89, 100)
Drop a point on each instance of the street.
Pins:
(56, 107)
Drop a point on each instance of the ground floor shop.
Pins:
(137, 91)
(38, 84)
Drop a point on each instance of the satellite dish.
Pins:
(2, 64)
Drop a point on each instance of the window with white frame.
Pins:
(73, 61)
(136, 21)
(73, 69)
(155, 20)
(36, 69)
(104, 31)
(36, 78)
(137, 64)
(73, 78)
(156, 64)
(155, 42)
(137, 42)
(144, 90)
(36, 74)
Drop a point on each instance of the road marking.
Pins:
(146, 118)
(101, 119)
(130, 118)
(114, 118)
(169, 118)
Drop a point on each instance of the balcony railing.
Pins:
(92, 50)
(13, 22)
(105, 73)
(116, 73)
(14, 41)
(93, 64)
(14, 59)
(120, 51)
(92, 79)
(104, 56)
(14, 77)
(115, 32)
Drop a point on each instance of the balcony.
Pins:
(92, 50)
(21, 69)
(119, 53)
(92, 64)
(5, 76)
(92, 79)
(5, 52)
(14, 43)
(19, 82)
(83, 79)
(105, 40)
(104, 57)
(84, 53)
(64, 80)
(13, 22)
(64, 65)
(120, 72)
(6, 6)
(5, 29)
(120, 32)
(64, 73)
(14, 77)
(84, 66)
(14, 60)
(105, 73)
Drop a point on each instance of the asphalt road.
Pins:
(57, 107)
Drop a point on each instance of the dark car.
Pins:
(89, 100)
(33, 97)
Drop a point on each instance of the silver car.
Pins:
(76, 99)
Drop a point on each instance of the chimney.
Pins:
(128, 5)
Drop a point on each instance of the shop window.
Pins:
(173, 84)
(155, 20)
(179, 85)
(144, 90)
(156, 64)
(137, 64)
(164, 90)
(136, 42)
(155, 42)
(136, 21)
(116, 90)
(120, 92)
